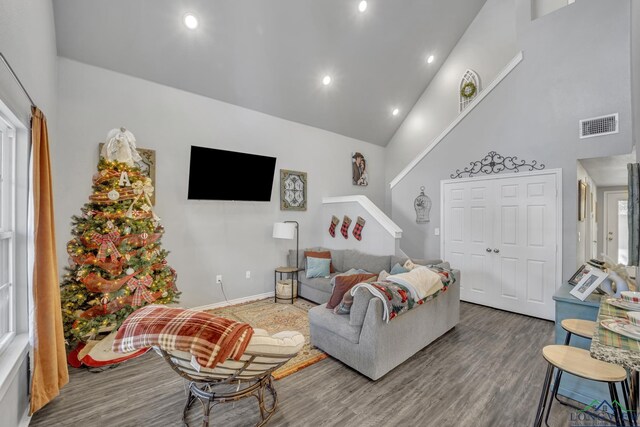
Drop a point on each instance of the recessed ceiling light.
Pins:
(395, 112)
(190, 21)
(430, 59)
(326, 80)
(362, 6)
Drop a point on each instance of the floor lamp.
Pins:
(287, 230)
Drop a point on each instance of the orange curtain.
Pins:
(49, 356)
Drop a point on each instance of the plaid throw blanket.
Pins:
(397, 298)
(209, 338)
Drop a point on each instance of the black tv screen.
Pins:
(229, 175)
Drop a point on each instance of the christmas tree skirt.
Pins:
(98, 353)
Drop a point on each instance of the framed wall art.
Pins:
(582, 199)
(147, 166)
(359, 170)
(293, 190)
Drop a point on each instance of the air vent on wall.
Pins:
(598, 126)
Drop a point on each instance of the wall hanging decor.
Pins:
(582, 199)
(469, 88)
(496, 163)
(146, 163)
(293, 190)
(359, 170)
(422, 205)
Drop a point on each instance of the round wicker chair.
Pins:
(237, 379)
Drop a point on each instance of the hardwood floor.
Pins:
(488, 371)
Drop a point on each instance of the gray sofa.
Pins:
(365, 342)
(319, 290)
(362, 339)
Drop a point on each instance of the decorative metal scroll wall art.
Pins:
(496, 163)
(422, 205)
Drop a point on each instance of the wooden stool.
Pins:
(579, 327)
(579, 362)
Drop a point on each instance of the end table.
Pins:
(293, 274)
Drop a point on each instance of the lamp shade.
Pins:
(284, 230)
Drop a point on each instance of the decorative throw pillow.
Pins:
(321, 254)
(317, 267)
(345, 305)
(409, 265)
(398, 269)
(344, 284)
(383, 275)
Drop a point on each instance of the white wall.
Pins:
(539, 8)
(27, 39)
(486, 47)
(576, 65)
(205, 238)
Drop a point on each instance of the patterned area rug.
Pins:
(265, 314)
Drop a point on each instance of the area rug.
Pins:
(266, 314)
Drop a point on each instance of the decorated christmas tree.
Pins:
(116, 262)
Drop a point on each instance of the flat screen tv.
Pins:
(229, 175)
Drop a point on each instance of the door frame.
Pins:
(605, 217)
(559, 225)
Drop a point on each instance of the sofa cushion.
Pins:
(344, 284)
(337, 259)
(320, 254)
(402, 260)
(318, 267)
(320, 283)
(338, 325)
(371, 263)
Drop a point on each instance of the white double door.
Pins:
(501, 233)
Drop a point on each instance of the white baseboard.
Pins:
(26, 418)
(235, 301)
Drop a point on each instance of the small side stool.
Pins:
(579, 362)
(579, 327)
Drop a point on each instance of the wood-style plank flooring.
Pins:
(488, 371)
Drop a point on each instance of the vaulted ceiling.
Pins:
(271, 56)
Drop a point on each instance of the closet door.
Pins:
(525, 244)
(468, 208)
(501, 233)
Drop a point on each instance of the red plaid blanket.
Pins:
(209, 338)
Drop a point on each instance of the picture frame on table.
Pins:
(578, 275)
(588, 284)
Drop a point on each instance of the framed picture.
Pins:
(582, 199)
(147, 166)
(359, 170)
(293, 190)
(588, 284)
(578, 275)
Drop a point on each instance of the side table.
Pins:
(293, 275)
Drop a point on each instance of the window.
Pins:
(7, 233)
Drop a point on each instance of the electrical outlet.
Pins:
(219, 279)
(248, 274)
(436, 231)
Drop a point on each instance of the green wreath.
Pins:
(468, 90)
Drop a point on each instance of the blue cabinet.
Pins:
(570, 307)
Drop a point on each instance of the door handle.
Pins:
(488, 249)
(496, 251)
